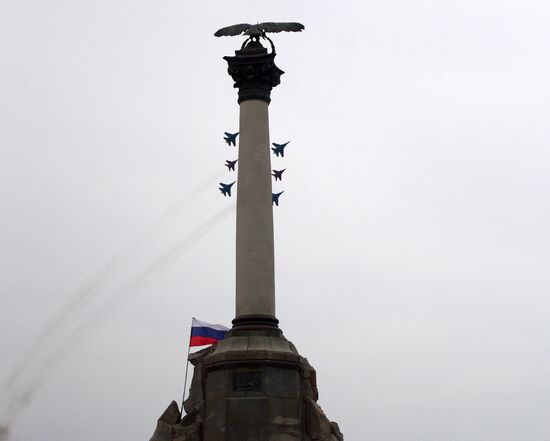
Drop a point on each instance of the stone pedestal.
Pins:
(251, 386)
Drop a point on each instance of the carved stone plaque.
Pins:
(247, 381)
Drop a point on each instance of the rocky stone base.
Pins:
(205, 422)
(170, 427)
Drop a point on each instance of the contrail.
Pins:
(82, 297)
(4, 433)
(87, 327)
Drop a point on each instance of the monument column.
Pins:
(254, 71)
(252, 385)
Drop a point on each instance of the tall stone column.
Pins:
(254, 71)
(255, 284)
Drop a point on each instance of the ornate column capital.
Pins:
(254, 71)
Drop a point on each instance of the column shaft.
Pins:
(255, 258)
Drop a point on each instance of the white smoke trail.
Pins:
(84, 295)
(22, 396)
(77, 304)
(4, 433)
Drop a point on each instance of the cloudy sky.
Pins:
(412, 240)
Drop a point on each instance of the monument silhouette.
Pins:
(253, 385)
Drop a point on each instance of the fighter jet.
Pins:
(278, 174)
(226, 188)
(279, 149)
(230, 164)
(275, 198)
(230, 138)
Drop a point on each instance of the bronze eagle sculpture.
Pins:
(254, 32)
(259, 30)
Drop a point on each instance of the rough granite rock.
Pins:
(318, 426)
(196, 396)
(166, 423)
(171, 428)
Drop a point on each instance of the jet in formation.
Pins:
(226, 188)
(279, 149)
(231, 138)
(275, 198)
(230, 164)
(278, 174)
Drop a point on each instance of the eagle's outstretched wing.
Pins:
(281, 27)
(237, 29)
(257, 29)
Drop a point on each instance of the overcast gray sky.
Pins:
(412, 240)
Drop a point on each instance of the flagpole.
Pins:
(186, 369)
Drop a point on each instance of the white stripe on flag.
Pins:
(200, 324)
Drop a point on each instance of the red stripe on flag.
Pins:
(201, 341)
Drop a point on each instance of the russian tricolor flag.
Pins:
(203, 333)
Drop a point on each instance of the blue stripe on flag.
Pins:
(207, 332)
